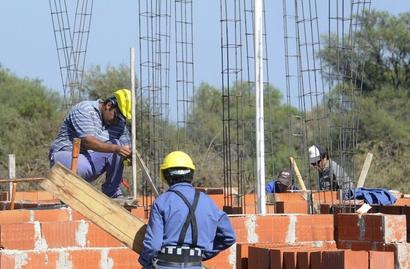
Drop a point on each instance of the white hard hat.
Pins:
(315, 153)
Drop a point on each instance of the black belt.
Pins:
(178, 264)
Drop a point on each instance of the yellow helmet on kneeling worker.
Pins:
(123, 98)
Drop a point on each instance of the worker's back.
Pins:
(185, 226)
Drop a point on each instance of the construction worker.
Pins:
(185, 226)
(331, 175)
(105, 140)
(282, 184)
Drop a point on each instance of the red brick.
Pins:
(17, 236)
(222, 260)
(97, 237)
(371, 227)
(272, 228)
(85, 259)
(356, 259)
(76, 234)
(315, 260)
(347, 227)
(381, 260)
(345, 259)
(51, 215)
(242, 253)
(258, 258)
(302, 260)
(292, 206)
(124, 258)
(314, 228)
(30, 260)
(289, 259)
(331, 197)
(403, 201)
(276, 258)
(59, 234)
(14, 216)
(288, 196)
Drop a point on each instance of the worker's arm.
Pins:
(153, 237)
(92, 143)
(224, 237)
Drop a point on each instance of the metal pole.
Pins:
(260, 140)
(133, 124)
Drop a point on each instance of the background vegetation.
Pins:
(31, 114)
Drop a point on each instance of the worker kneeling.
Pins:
(185, 226)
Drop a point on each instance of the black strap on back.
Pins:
(191, 219)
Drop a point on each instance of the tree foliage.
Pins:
(378, 60)
(376, 56)
(100, 83)
(29, 120)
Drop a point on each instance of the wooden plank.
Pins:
(365, 170)
(75, 154)
(17, 180)
(94, 205)
(297, 173)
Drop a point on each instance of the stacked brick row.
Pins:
(58, 238)
(377, 232)
(63, 238)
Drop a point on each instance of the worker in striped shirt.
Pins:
(105, 140)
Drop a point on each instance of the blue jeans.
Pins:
(91, 165)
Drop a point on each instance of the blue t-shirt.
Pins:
(84, 119)
(273, 187)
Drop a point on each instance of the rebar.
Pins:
(71, 44)
(154, 45)
(232, 100)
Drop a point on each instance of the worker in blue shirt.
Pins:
(282, 184)
(185, 226)
(105, 140)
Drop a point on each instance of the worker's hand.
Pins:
(124, 151)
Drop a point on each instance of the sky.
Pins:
(27, 46)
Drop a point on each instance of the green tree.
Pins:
(28, 123)
(378, 54)
(101, 84)
(380, 62)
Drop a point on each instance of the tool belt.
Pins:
(178, 264)
(184, 254)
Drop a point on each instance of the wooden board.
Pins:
(365, 170)
(297, 173)
(96, 206)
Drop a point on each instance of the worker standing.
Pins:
(105, 139)
(185, 226)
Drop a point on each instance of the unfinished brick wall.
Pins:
(63, 238)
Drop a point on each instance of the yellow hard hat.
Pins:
(123, 97)
(176, 159)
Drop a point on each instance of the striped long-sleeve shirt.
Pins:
(85, 119)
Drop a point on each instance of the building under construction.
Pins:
(67, 227)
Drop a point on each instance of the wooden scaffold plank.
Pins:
(96, 206)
